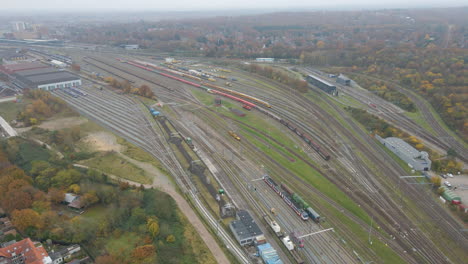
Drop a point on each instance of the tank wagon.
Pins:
(285, 196)
(301, 203)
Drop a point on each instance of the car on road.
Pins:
(447, 184)
(450, 175)
(443, 176)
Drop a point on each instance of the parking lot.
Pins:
(459, 186)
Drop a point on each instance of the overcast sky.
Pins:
(185, 5)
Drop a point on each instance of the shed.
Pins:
(269, 254)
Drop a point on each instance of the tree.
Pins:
(74, 188)
(56, 196)
(16, 199)
(25, 218)
(107, 259)
(436, 181)
(170, 239)
(451, 152)
(89, 199)
(38, 166)
(66, 178)
(153, 225)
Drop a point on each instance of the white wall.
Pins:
(59, 85)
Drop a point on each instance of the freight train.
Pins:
(246, 104)
(284, 195)
(322, 152)
(301, 203)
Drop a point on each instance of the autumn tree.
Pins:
(145, 91)
(22, 219)
(170, 238)
(89, 199)
(107, 259)
(153, 226)
(436, 181)
(143, 252)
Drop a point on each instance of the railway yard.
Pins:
(306, 143)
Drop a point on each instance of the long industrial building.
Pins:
(322, 84)
(418, 160)
(40, 76)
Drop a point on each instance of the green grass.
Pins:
(123, 245)
(139, 154)
(385, 253)
(313, 177)
(29, 152)
(9, 110)
(418, 119)
(113, 164)
(95, 213)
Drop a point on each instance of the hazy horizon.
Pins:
(212, 5)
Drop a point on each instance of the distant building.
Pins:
(12, 55)
(131, 47)
(12, 68)
(24, 252)
(418, 160)
(245, 229)
(341, 79)
(73, 200)
(19, 26)
(169, 60)
(59, 64)
(60, 256)
(265, 59)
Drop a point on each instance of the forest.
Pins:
(121, 224)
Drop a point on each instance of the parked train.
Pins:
(301, 203)
(322, 152)
(246, 104)
(284, 195)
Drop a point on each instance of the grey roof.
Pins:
(322, 80)
(403, 147)
(36, 71)
(245, 226)
(53, 77)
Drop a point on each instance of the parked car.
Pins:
(447, 184)
(450, 175)
(443, 176)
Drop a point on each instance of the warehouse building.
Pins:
(245, 229)
(322, 84)
(265, 60)
(48, 81)
(418, 160)
(13, 68)
(341, 79)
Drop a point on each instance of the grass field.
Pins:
(113, 164)
(9, 110)
(29, 152)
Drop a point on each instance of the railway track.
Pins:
(434, 260)
(113, 116)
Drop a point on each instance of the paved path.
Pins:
(7, 99)
(7, 128)
(187, 210)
